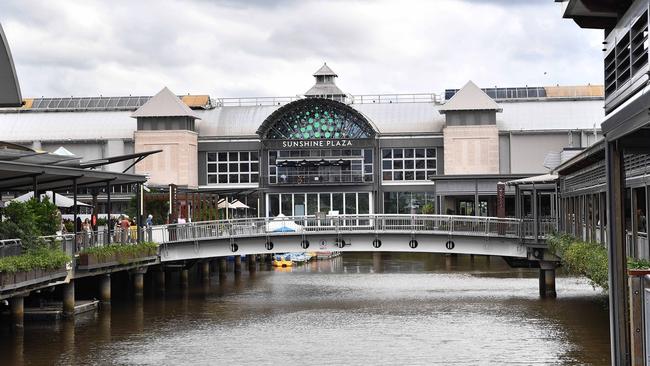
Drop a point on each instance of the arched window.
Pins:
(315, 118)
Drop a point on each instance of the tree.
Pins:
(29, 220)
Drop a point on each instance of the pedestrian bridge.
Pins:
(359, 233)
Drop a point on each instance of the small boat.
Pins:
(280, 260)
(298, 257)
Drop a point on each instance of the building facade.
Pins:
(327, 150)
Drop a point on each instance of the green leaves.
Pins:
(587, 259)
(39, 258)
(29, 220)
(123, 252)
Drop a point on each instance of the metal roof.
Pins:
(550, 115)
(164, 104)
(537, 179)
(15, 176)
(9, 87)
(470, 98)
(325, 71)
(67, 126)
(324, 89)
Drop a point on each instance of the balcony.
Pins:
(321, 179)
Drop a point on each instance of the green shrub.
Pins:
(29, 220)
(39, 258)
(123, 251)
(428, 209)
(587, 259)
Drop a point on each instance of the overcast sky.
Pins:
(271, 48)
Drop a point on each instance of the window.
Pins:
(298, 204)
(408, 164)
(408, 202)
(233, 167)
(320, 166)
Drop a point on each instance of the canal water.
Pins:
(412, 310)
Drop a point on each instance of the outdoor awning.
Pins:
(60, 201)
(538, 179)
(15, 176)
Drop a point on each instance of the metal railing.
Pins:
(546, 225)
(10, 247)
(371, 223)
(315, 178)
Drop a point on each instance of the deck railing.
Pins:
(413, 224)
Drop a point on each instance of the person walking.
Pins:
(149, 225)
(125, 225)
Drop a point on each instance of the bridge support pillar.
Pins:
(237, 263)
(138, 283)
(547, 280)
(68, 298)
(105, 289)
(160, 280)
(17, 310)
(223, 267)
(184, 277)
(377, 262)
(205, 271)
(252, 263)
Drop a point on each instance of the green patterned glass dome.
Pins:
(315, 118)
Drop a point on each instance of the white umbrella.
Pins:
(224, 204)
(238, 204)
(61, 200)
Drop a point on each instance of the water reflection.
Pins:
(356, 309)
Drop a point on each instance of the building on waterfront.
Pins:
(327, 150)
(605, 188)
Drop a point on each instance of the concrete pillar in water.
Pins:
(185, 274)
(160, 281)
(138, 283)
(223, 267)
(205, 271)
(105, 289)
(17, 310)
(547, 280)
(237, 263)
(377, 262)
(68, 298)
(252, 263)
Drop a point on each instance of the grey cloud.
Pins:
(232, 48)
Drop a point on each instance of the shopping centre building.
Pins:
(326, 150)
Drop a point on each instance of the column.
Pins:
(252, 262)
(160, 280)
(185, 274)
(68, 298)
(547, 280)
(17, 310)
(205, 271)
(238, 264)
(377, 262)
(223, 267)
(617, 258)
(109, 226)
(138, 284)
(105, 289)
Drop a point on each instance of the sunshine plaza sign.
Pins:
(318, 144)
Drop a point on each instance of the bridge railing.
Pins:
(374, 223)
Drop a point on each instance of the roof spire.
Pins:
(325, 86)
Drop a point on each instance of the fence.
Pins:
(432, 224)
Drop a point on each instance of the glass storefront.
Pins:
(320, 166)
(298, 204)
(409, 202)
